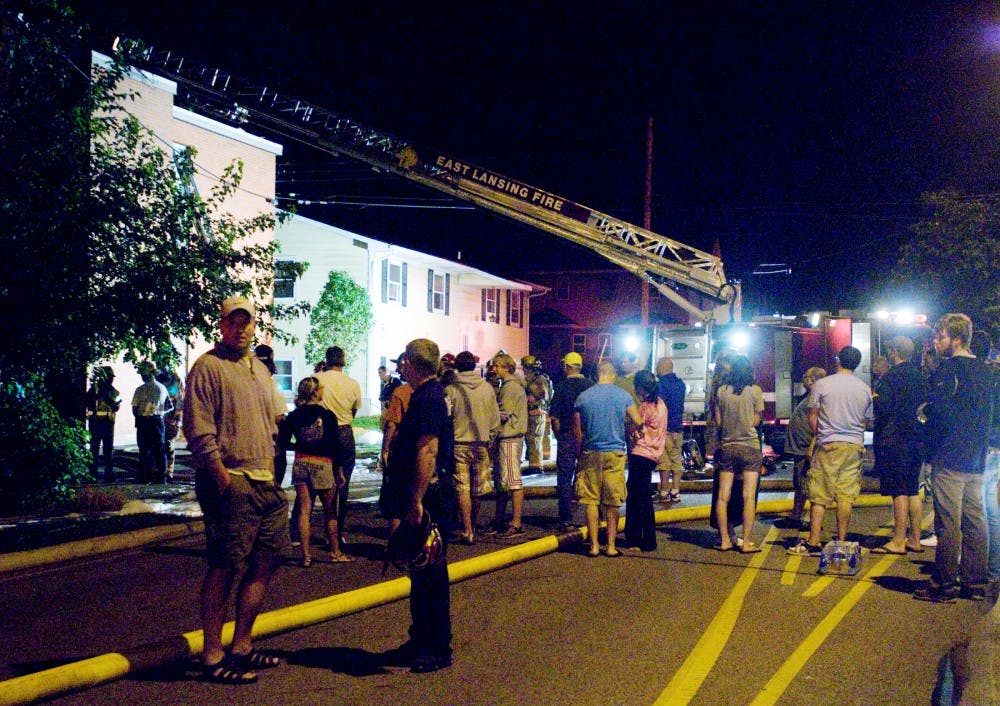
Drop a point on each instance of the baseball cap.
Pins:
(398, 358)
(448, 360)
(231, 304)
(573, 358)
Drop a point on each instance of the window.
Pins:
(515, 309)
(491, 305)
(562, 289)
(283, 376)
(285, 274)
(580, 343)
(438, 285)
(605, 346)
(393, 282)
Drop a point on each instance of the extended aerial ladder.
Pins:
(661, 261)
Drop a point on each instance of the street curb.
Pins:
(97, 545)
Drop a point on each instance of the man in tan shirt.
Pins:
(342, 396)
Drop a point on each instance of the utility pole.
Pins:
(647, 217)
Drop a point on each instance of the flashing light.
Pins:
(814, 319)
(697, 324)
(905, 317)
(632, 343)
(739, 340)
(882, 315)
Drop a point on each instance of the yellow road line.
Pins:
(823, 582)
(791, 570)
(699, 663)
(777, 685)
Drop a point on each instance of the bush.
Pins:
(370, 422)
(42, 454)
(91, 500)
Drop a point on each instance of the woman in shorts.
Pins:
(316, 443)
(737, 413)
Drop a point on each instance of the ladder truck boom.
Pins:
(660, 260)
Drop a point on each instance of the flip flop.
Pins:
(885, 550)
(749, 548)
(918, 550)
(225, 672)
(253, 660)
(613, 556)
(592, 554)
(720, 548)
(341, 558)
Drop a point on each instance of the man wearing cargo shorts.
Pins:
(600, 416)
(672, 390)
(477, 421)
(513, 404)
(840, 408)
(230, 429)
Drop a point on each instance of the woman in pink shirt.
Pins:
(640, 521)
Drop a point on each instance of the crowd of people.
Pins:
(455, 431)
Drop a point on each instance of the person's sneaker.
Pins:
(565, 527)
(425, 664)
(803, 548)
(493, 529)
(972, 593)
(511, 531)
(935, 595)
(929, 541)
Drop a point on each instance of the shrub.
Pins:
(42, 454)
(89, 500)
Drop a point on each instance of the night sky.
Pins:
(793, 132)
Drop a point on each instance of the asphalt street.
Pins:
(685, 624)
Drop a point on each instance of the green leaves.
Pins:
(342, 317)
(953, 256)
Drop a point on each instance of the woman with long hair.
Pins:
(738, 409)
(316, 443)
(650, 438)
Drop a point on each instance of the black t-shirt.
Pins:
(314, 429)
(387, 387)
(897, 396)
(427, 415)
(563, 399)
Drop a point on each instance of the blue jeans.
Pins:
(565, 471)
(960, 526)
(992, 506)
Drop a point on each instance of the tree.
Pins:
(342, 317)
(107, 251)
(952, 256)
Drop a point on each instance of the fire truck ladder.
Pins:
(661, 261)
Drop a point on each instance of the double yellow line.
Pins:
(688, 680)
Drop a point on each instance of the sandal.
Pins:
(254, 659)
(749, 548)
(225, 672)
(341, 558)
(307, 562)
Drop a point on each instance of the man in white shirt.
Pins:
(342, 396)
(149, 403)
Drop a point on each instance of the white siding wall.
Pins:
(327, 248)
